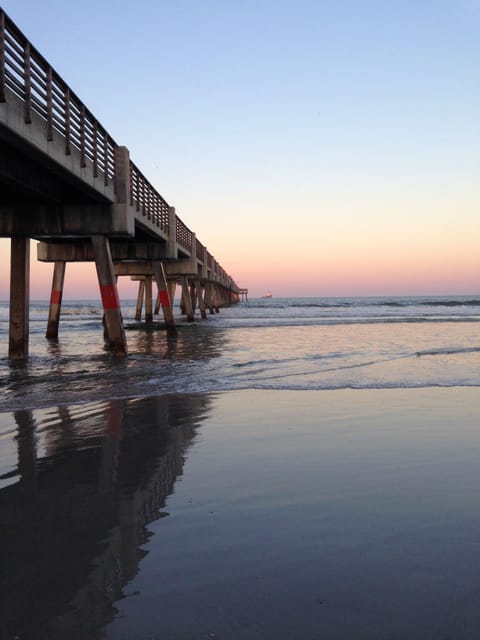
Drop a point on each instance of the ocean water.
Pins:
(283, 343)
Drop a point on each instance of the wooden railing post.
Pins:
(49, 104)
(105, 158)
(122, 175)
(66, 103)
(193, 251)
(83, 162)
(27, 82)
(95, 149)
(172, 234)
(2, 57)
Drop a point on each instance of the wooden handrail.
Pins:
(26, 73)
(184, 235)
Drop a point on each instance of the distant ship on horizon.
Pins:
(267, 294)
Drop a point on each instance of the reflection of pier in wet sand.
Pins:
(74, 510)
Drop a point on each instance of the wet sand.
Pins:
(247, 514)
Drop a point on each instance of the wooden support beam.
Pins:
(208, 297)
(172, 286)
(55, 300)
(193, 295)
(148, 300)
(200, 299)
(141, 292)
(109, 294)
(214, 297)
(165, 300)
(19, 298)
(187, 300)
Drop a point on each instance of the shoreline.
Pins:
(215, 392)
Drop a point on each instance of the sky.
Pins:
(317, 148)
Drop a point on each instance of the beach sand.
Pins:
(245, 514)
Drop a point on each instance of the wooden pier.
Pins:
(66, 183)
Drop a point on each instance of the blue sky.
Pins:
(318, 138)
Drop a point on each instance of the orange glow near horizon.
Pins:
(332, 271)
(321, 257)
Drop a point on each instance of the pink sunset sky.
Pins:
(316, 149)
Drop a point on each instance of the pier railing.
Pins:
(146, 199)
(199, 249)
(28, 75)
(25, 72)
(183, 235)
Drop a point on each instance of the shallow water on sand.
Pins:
(243, 514)
(291, 343)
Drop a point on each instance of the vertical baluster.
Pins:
(114, 173)
(49, 105)
(165, 219)
(137, 191)
(27, 82)
(105, 158)
(2, 56)
(143, 196)
(95, 149)
(67, 120)
(130, 172)
(149, 202)
(83, 163)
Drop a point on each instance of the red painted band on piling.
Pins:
(109, 296)
(164, 298)
(56, 297)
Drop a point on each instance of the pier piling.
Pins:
(165, 299)
(108, 291)
(55, 300)
(19, 298)
(141, 293)
(187, 300)
(148, 300)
